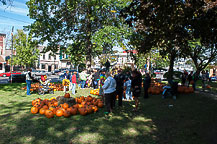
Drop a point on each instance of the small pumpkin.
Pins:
(55, 103)
(45, 107)
(82, 111)
(34, 110)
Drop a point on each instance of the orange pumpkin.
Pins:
(100, 104)
(67, 95)
(34, 110)
(42, 111)
(65, 105)
(45, 107)
(76, 106)
(66, 113)
(55, 103)
(95, 108)
(73, 111)
(82, 111)
(49, 114)
(59, 113)
(208, 86)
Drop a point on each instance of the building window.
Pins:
(54, 57)
(1, 66)
(42, 66)
(43, 56)
(49, 57)
(63, 56)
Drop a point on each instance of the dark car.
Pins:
(19, 78)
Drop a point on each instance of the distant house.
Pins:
(49, 61)
(5, 54)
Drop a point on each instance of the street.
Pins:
(54, 78)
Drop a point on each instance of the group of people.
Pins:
(112, 85)
(192, 78)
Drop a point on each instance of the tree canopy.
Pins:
(77, 24)
(169, 25)
(26, 49)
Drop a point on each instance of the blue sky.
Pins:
(15, 15)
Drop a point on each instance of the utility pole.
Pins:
(12, 52)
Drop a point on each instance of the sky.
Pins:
(15, 15)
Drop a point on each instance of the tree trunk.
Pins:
(172, 59)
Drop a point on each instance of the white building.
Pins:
(180, 65)
(121, 59)
(49, 61)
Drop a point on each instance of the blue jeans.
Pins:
(73, 88)
(83, 82)
(128, 94)
(28, 82)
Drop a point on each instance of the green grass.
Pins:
(191, 120)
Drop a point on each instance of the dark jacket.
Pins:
(146, 82)
(119, 81)
(136, 81)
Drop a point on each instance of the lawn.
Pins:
(191, 119)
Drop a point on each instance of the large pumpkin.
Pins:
(65, 105)
(34, 110)
(82, 111)
(42, 111)
(91, 91)
(67, 95)
(66, 113)
(49, 114)
(100, 104)
(59, 113)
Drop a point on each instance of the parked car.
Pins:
(48, 73)
(7, 74)
(213, 78)
(17, 78)
(55, 72)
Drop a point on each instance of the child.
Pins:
(127, 86)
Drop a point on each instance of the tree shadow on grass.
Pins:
(191, 120)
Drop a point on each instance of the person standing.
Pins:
(29, 78)
(127, 87)
(109, 88)
(190, 78)
(120, 86)
(146, 84)
(74, 82)
(83, 77)
(136, 87)
(66, 77)
(101, 83)
(195, 77)
(96, 77)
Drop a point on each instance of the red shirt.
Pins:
(74, 79)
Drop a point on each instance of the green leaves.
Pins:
(26, 49)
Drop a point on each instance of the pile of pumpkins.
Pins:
(94, 92)
(35, 86)
(51, 108)
(185, 89)
(156, 88)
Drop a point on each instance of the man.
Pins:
(29, 78)
(146, 84)
(120, 86)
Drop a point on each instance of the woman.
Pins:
(146, 84)
(136, 87)
(109, 89)
(28, 81)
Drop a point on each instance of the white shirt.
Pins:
(109, 85)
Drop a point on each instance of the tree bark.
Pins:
(172, 59)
